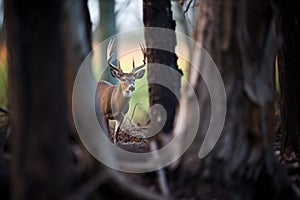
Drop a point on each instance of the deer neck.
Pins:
(119, 100)
(120, 93)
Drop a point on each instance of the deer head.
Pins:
(126, 80)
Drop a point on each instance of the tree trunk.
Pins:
(159, 14)
(106, 29)
(240, 38)
(77, 43)
(289, 74)
(37, 100)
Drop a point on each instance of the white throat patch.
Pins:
(127, 93)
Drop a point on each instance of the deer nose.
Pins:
(132, 88)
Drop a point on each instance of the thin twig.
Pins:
(133, 190)
(90, 186)
(187, 7)
(133, 123)
(162, 180)
(133, 112)
(4, 110)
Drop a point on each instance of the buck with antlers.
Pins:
(114, 99)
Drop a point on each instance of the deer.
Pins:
(114, 99)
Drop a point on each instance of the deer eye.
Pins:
(123, 79)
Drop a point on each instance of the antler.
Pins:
(109, 53)
(143, 49)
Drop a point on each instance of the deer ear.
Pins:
(139, 74)
(114, 73)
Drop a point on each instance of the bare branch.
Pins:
(162, 180)
(4, 110)
(90, 186)
(187, 7)
(132, 189)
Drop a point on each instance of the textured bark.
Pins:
(289, 73)
(240, 38)
(159, 14)
(37, 100)
(76, 34)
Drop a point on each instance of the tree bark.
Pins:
(159, 14)
(37, 100)
(77, 44)
(240, 38)
(289, 74)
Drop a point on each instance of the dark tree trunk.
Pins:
(77, 43)
(106, 29)
(239, 35)
(159, 14)
(289, 73)
(37, 100)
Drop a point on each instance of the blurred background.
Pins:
(254, 45)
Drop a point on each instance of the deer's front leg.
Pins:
(117, 124)
(117, 128)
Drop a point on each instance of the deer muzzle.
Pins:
(132, 88)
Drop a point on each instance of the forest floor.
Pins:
(151, 180)
(291, 162)
(132, 138)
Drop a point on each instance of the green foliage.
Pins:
(3, 84)
(140, 100)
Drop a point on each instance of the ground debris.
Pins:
(133, 138)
